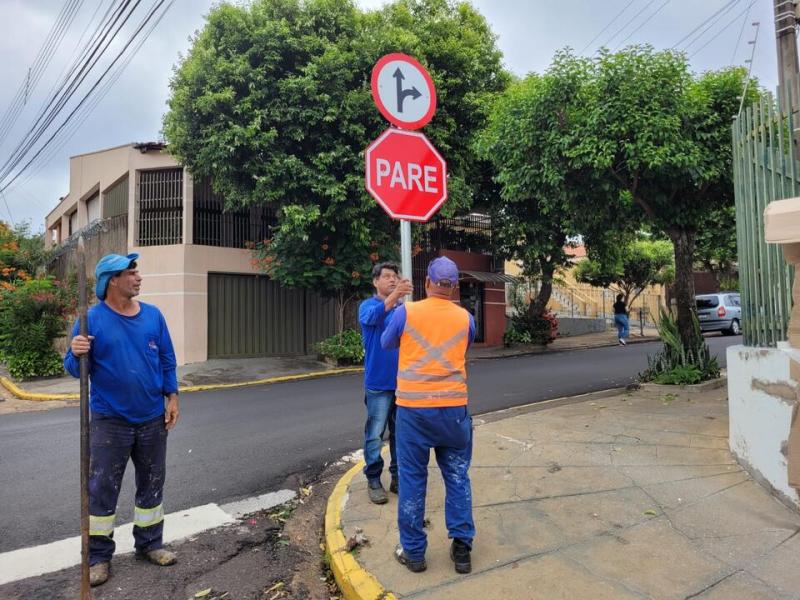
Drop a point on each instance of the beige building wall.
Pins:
(175, 278)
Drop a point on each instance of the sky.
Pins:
(528, 34)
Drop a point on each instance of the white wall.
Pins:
(761, 395)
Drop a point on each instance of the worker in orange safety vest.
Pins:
(433, 336)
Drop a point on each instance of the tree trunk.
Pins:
(684, 244)
(340, 304)
(539, 304)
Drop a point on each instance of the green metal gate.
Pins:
(251, 315)
(764, 170)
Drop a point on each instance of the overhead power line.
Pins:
(643, 23)
(6, 177)
(704, 23)
(87, 110)
(58, 101)
(631, 20)
(609, 24)
(724, 28)
(39, 65)
(741, 31)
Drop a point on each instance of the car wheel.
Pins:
(735, 328)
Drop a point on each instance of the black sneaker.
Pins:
(393, 485)
(460, 555)
(415, 566)
(377, 494)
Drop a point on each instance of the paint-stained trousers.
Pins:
(449, 432)
(113, 441)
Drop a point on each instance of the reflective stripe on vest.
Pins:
(146, 517)
(101, 525)
(431, 370)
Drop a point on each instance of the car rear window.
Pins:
(710, 302)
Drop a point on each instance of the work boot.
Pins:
(98, 573)
(415, 566)
(393, 485)
(161, 557)
(460, 555)
(377, 494)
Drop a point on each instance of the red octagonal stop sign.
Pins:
(406, 175)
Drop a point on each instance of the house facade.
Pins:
(195, 264)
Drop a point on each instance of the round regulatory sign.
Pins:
(403, 91)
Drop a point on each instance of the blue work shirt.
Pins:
(394, 329)
(380, 366)
(131, 363)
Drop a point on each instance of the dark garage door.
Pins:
(251, 315)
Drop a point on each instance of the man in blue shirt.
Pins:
(132, 370)
(380, 375)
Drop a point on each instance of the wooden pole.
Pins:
(84, 386)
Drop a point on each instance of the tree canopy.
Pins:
(273, 104)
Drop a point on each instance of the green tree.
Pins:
(273, 104)
(663, 135)
(715, 247)
(531, 217)
(22, 253)
(631, 269)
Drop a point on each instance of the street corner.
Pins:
(342, 545)
(274, 552)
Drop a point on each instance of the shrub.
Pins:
(32, 314)
(682, 375)
(676, 362)
(344, 348)
(515, 336)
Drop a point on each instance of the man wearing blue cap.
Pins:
(132, 370)
(433, 336)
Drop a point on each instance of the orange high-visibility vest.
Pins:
(432, 370)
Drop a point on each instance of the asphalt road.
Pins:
(237, 443)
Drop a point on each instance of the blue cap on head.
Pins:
(107, 267)
(442, 270)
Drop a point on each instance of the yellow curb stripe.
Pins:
(24, 395)
(354, 581)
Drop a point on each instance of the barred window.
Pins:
(160, 207)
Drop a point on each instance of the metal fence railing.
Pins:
(765, 169)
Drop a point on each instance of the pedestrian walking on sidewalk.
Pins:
(131, 371)
(380, 376)
(433, 336)
(621, 319)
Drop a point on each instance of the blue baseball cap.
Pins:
(443, 268)
(107, 267)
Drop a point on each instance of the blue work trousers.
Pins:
(623, 326)
(113, 441)
(449, 432)
(380, 417)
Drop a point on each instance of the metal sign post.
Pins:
(84, 387)
(405, 250)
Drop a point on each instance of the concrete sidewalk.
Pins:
(630, 496)
(233, 371)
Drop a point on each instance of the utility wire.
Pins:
(39, 127)
(8, 210)
(643, 23)
(704, 23)
(86, 111)
(143, 24)
(725, 28)
(41, 62)
(609, 24)
(739, 39)
(631, 20)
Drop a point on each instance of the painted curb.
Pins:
(354, 581)
(24, 395)
(661, 388)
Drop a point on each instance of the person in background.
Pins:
(621, 319)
